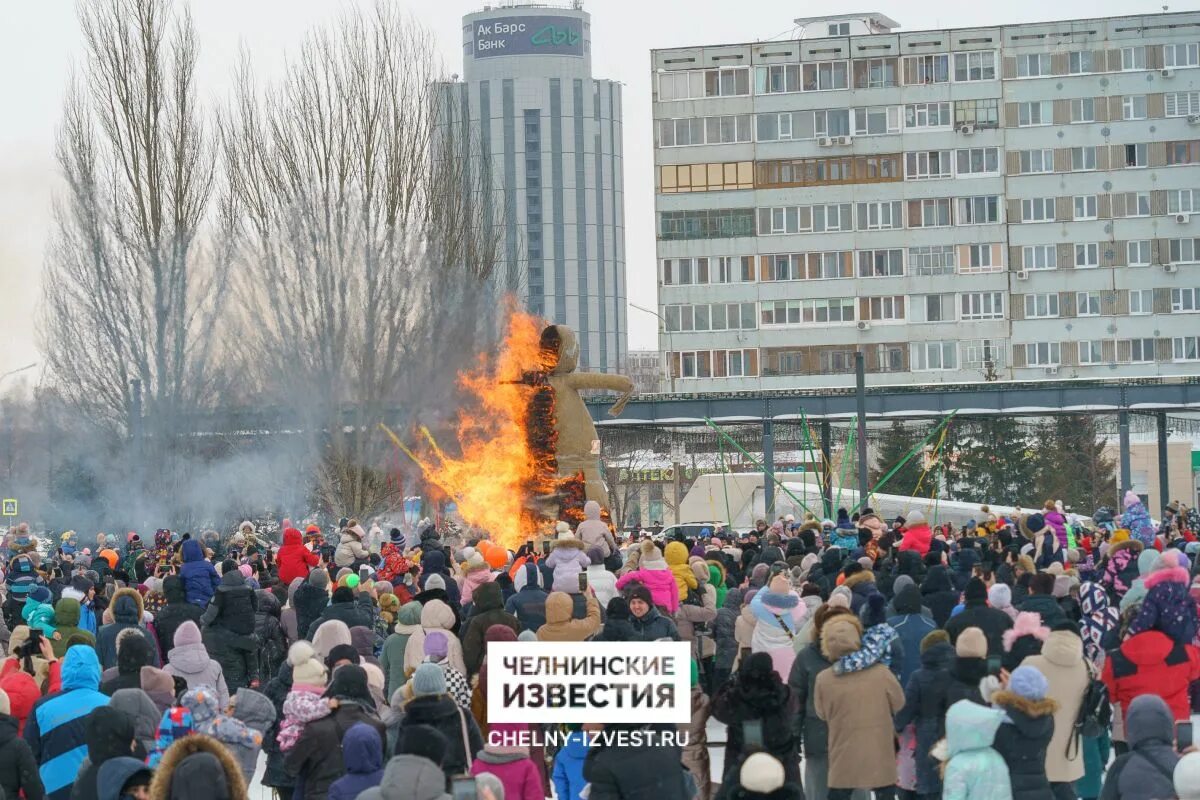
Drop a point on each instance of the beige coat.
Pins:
(435, 615)
(858, 707)
(695, 754)
(1062, 663)
(559, 625)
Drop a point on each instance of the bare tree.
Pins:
(366, 241)
(130, 290)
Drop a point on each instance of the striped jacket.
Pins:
(55, 727)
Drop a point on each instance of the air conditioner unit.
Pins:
(825, 141)
(843, 139)
(967, 129)
(1183, 219)
(1022, 274)
(1052, 370)
(864, 325)
(1167, 73)
(1193, 119)
(1170, 268)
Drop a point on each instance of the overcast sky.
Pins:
(40, 44)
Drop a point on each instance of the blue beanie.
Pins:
(1028, 682)
(428, 679)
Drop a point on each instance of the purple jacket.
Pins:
(1059, 523)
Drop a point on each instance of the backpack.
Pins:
(1095, 714)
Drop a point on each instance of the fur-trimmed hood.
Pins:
(866, 576)
(577, 544)
(123, 603)
(179, 752)
(841, 635)
(1128, 544)
(1030, 708)
(1027, 623)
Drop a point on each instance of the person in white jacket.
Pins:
(603, 582)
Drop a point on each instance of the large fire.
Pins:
(504, 478)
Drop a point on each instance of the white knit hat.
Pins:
(1187, 777)
(306, 667)
(761, 773)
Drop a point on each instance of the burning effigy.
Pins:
(528, 454)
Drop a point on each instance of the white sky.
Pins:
(40, 44)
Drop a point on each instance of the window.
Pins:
(927, 115)
(738, 363)
(839, 309)
(980, 113)
(839, 29)
(1079, 62)
(926, 164)
(978, 210)
(1033, 65)
(982, 305)
(1039, 112)
(832, 122)
(1085, 207)
(1087, 304)
(1183, 201)
(1185, 300)
(675, 178)
(1183, 153)
(1138, 253)
(1039, 256)
(880, 263)
(1043, 354)
(825, 76)
(982, 258)
(885, 309)
(1036, 161)
(730, 82)
(833, 362)
(1091, 352)
(931, 260)
(1041, 306)
(1184, 251)
(1133, 58)
(875, 73)
(1083, 109)
(927, 69)
(880, 216)
(734, 269)
(1132, 204)
(936, 308)
(1137, 351)
(690, 84)
(805, 219)
(976, 66)
(929, 213)
(876, 120)
(1181, 55)
(930, 356)
(777, 79)
(1141, 301)
(1133, 106)
(1037, 209)
(1135, 155)
(978, 161)
(1083, 158)
(1185, 348)
(981, 354)
(1087, 256)
(717, 223)
(1181, 104)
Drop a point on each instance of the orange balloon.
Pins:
(496, 557)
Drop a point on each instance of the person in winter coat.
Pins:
(911, 627)
(655, 575)
(457, 685)
(198, 767)
(528, 603)
(229, 636)
(566, 560)
(487, 610)
(1023, 739)
(145, 715)
(476, 573)
(133, 653)
(1145, 772)
(1000, 598)
(618, 626)
(176, 612)
(123, 778)
(294, 559)
(362, 753)
(66, 622)
(918, 536)
(38, 611)
(1168, 606)
(725, 636)
(926, 701)
(617, 772)
(435, 615)
(1121, 568)
(510, 764)
(200, 578)
(257, 713)
(974, 770)
(1041, 600)
(858, 706)
(1061, 662)
(599, 579)
(938, 593)
(756, 694)
(676, 556)
(18, 767)
(189, 660)
(811, 731)
(350, 550)
(109, 734)
(1152, 662)
(648, 624)
(127, 611)
(1043, 544)
(977, 614)
(561, 627)
(593, 532)
(780, 615)
(211, 720)
(391, 658)
(316, 758)
(568, 767)
(310, 600)
(432, 706)
(55, 729)
(969, 667)
(343, 606)
(268, 630)
(695, 752)
(1187, 777)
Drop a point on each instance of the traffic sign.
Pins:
(10, 507)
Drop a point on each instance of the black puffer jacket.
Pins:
(127, 613)
(310, 602)
(237, 654)
(926, 701)
(1022, 742)
(234, 604)
(938, 593)
(176, 612)
(908, 562)
(812, 732)
(349, 612)
(965, 675)
(18, 767)
(443, 714)
(109, 732)
(316, 758)
(487, 610)
(756, 693)
(269, 632)
(978, 614)
(276, 690)
(635, 773)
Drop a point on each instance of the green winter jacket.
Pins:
(66, 622)
(391, 659)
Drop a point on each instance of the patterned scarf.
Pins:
(1098, 619)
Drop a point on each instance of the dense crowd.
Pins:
(1038, 657)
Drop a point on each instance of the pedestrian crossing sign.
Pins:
(10, 507)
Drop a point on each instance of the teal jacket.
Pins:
(975, 770)
(39, 615)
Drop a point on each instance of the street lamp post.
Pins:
(664, 328)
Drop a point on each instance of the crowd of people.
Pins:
(1039, 657)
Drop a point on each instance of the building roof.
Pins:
(880, 20)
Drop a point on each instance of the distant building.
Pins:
(647, 368)
(994, 203)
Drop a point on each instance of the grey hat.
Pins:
(319, 578)
(435, 581)
(527, 636)
(428, 679)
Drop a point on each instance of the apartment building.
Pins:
(1002, 203)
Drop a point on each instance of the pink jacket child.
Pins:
(304, 702)
(1057, 522)
(510, 763)
(477, 573)
(656, 576)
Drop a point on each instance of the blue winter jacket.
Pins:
(200, 578)
(55, 727)
(568, 768)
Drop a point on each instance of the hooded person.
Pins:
(780, 616)
(351, 549)
(190, 660)
(918, 536)
(310, 600)
(568, 767)
(599, 578)
(496, 633)
(198, 767)
(176, 612)
(409, 777)
(1067, 678)
(510, 763)
(109, 733)
(561, 626)
(1187, 777)
(133, 653)
(528, 602)
(200, 578)
(38, 611)
(617, 625)
(566, 560)
(1146, 770)
(594, 532)
(257, 713)
(331, 635)
(937, 592)
(676, 556)
(391, 658)
(1121, 568)
(435, 615)
(655, 575)
(209, 718)
(457, 685)
(293, 558)
(144, 713)
(66, 622)
(977, 613)
(1136, 520)
(362, 754)
(432, 706)
(1024, 738)
(1043, 546)
(119, 778)
(926, 699)
(344, 607)
(18, 768)
(127, 611)
(487, 610)
(757, 695)
(229, 634)
(725, 635)
(911, 627)
(973, 768)
(55, 729)
(476, 573)
(1168, 605)
(159, 687)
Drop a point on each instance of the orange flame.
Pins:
(499, 470)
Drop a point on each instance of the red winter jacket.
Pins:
(22, 689)
(1152, 663)
(917, 538)
(294, 559)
